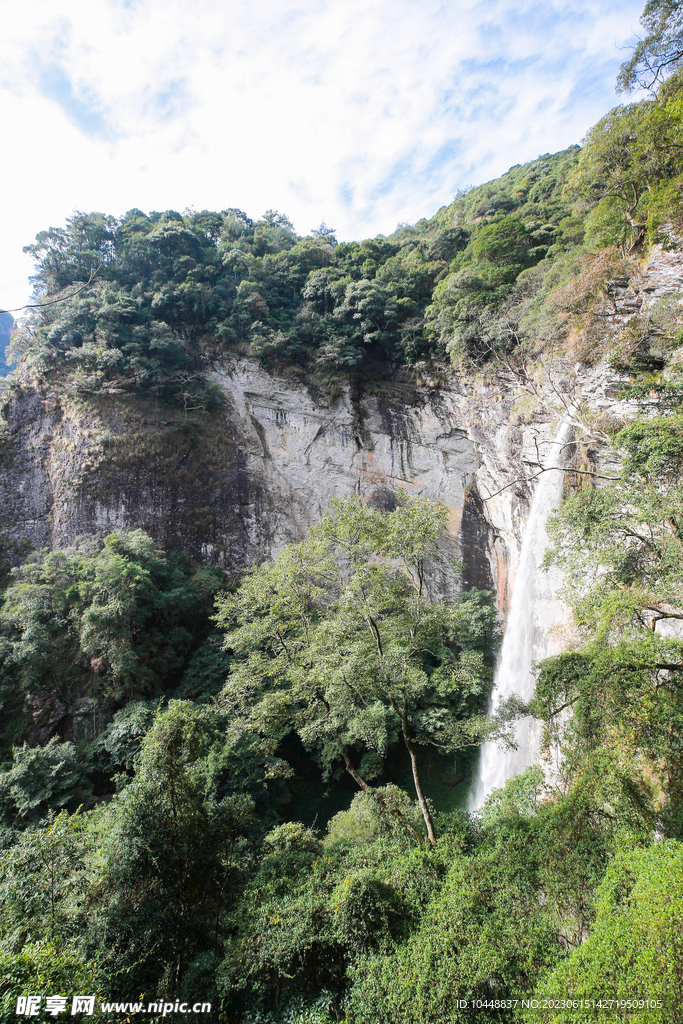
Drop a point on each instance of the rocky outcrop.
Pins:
(235, 486)
(78, 719)
(306, 449)
(238, 485)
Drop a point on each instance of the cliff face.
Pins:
(235, 486)
(303, 450)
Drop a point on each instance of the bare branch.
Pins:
(52, 302)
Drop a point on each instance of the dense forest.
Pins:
(242, 813)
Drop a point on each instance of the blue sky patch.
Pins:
(55, 85)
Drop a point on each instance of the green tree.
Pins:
(174, 855)
(660, 52)
(501, 250)
(44, 779)
(317, 904)
(483, 936)
(610, 167)
(629, 168)
(621, 549)
(42, 967)
(43, 882)
(112, 616)
(635, 949)
(339, 639)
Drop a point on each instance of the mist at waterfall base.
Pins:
(534, 611)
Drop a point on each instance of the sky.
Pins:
(360, 113)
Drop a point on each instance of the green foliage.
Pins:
(116, 748)
(532, 192)
(43, 967)
(621, 550)
(298, 1010)
(660, 52)
(41, 878)
(494, 299)
(314, 907)
(44, 881)
(366, 820)
(206, 672)
(501, 251)
(174, 854)
(610, 165)
(606, 225)
(45, 778)
(145, 300)
(635, 949)
(629, 170)
(483, 936)
(109, 617)
(405, 933)
(339, 640)
(519, 796)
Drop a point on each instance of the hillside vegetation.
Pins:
(148, 300)
(253, 826)
(153, 295)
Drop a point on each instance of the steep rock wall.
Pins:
(235, 487)
(307, 449)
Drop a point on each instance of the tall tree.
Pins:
(660, 52)
(172, 857)
(340, 639)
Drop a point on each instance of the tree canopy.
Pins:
(661, 51)
(338, 638)
(143, 301)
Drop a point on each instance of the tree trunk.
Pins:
(424, 806)
(384, 805)
(349, 766)
(637, 236)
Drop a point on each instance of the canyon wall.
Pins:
(236, 486)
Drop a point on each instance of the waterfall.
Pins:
(534, 609)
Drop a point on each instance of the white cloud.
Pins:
(360, 112)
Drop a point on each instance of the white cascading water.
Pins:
(534, 610)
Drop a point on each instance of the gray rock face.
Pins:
(236, 487)
(663, 273)
(84, 718)
(267, 466)
(305, 450)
